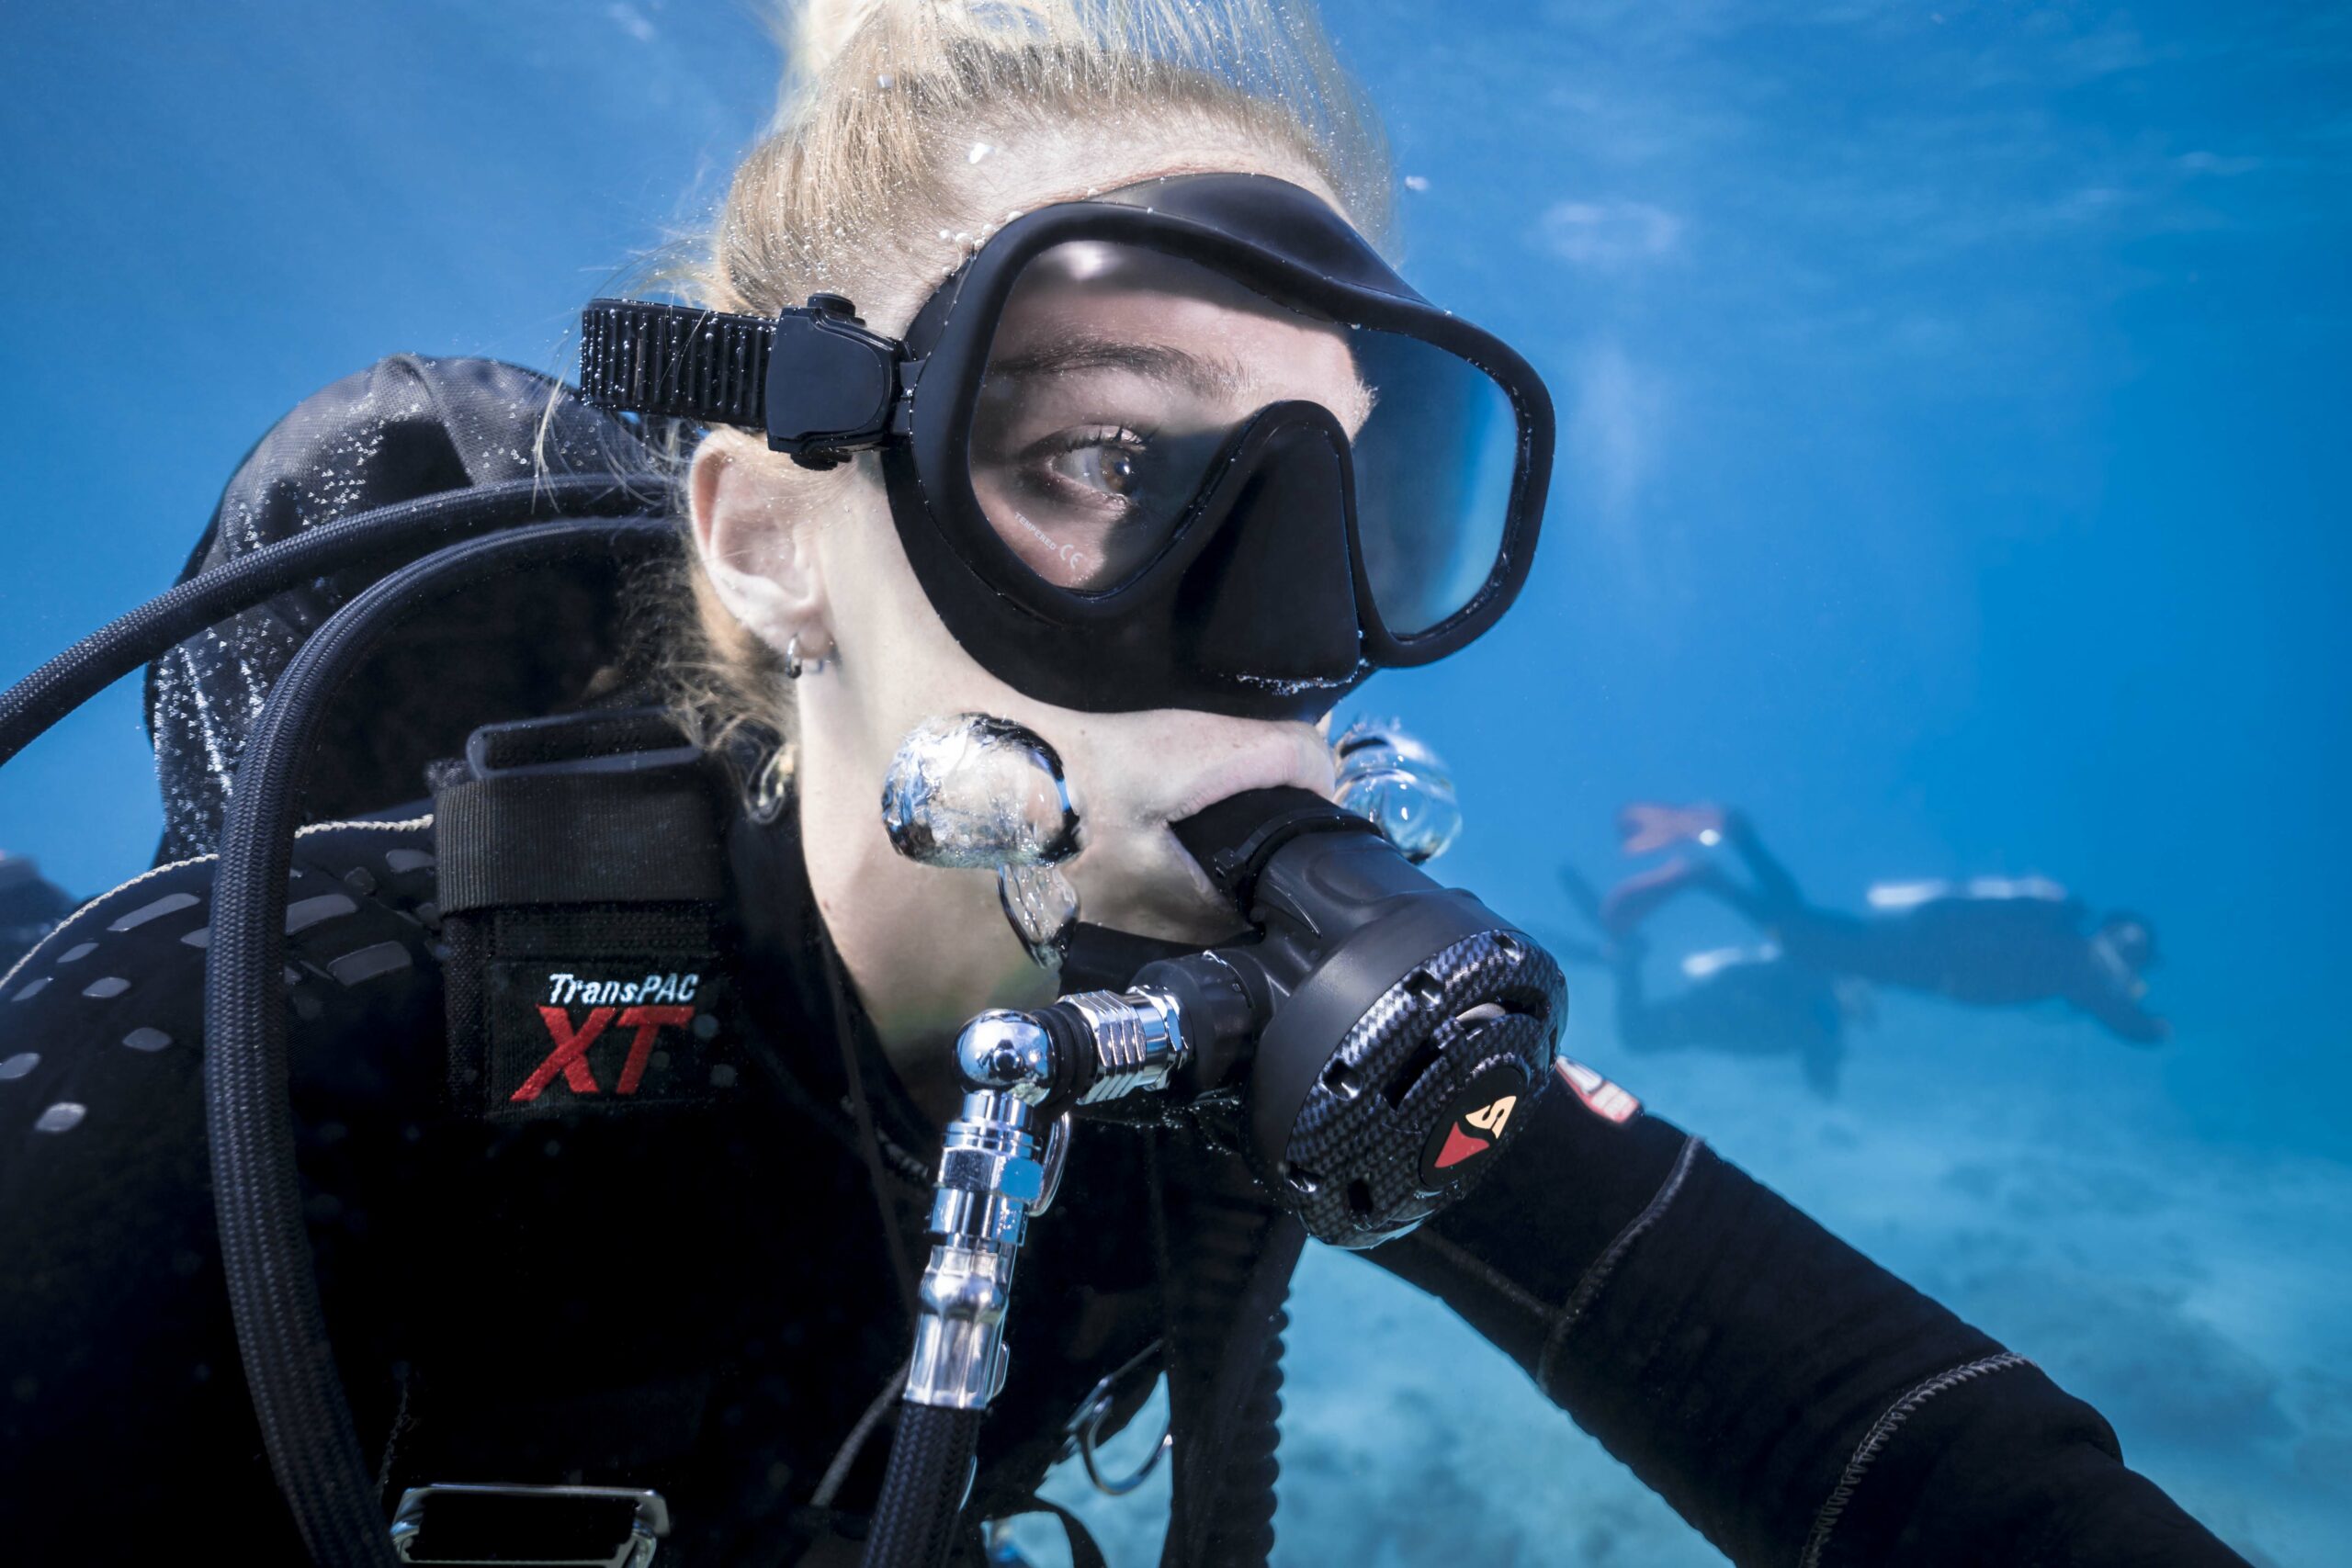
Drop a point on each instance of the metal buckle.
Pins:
(471, 1526)
(1085, 1428)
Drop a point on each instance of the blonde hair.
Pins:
(886, 102)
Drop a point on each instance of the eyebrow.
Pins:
(1159, 362)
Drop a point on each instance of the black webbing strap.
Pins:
(675, 362)
(536, 838)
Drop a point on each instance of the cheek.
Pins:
(1131, 771)
(898, 664)
(879, 615)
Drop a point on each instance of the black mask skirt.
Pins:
(1189, 445)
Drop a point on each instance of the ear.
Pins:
(752, 529)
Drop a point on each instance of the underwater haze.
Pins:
(1953, 475)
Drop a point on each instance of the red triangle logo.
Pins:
(1459, 1146)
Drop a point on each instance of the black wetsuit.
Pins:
(1986, 951)
(1751, 1004)
(700, 1298)
(1742, 1004)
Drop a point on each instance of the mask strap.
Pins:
(672, 362)
(811, 377)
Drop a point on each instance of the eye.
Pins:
(1102, 468)
(1100, 464)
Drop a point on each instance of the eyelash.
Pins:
(1077, 439)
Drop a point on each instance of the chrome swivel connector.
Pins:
(992, 1176)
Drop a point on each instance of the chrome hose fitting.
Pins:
(1138, 1039)
(992, 1176)
(1008, 1051)
(989, 1177)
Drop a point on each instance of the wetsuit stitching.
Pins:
(406, 824)
(1493, 1278)
(1882, 1432)
(1596, 1277)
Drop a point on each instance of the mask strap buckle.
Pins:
(812, 378)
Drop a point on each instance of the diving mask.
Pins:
(1189, 445)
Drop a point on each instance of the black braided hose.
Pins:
(115, 649)
(306, 1421)
(924, 1491)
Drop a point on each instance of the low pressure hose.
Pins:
(1228, 1274)
(924, 1490)
(80, 672)
(306, 1421)
(1245, 1493)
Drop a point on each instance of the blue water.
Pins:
(1953, 475)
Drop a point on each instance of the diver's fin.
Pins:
(1647, 824)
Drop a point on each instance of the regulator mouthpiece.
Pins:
(970, 791)
(1377, 1036)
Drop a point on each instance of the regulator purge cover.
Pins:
(1424, 1088)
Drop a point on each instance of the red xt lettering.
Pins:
(569, 1057)
(648, 1022)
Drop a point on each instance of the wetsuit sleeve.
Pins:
(1796, 1404)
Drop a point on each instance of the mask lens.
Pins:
(1117, 374)
(1114, 375)
(1434, 467)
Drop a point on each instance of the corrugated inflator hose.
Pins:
(306, 1421)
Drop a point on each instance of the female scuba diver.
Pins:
(617, 1071)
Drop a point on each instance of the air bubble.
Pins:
(1400, 785)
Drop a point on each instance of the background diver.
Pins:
(1753, 1002)
(1990, 941)
(678, 1251)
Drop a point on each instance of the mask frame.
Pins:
(821, 386)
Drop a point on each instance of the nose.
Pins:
(1276, 587)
